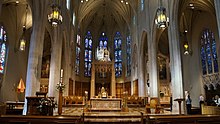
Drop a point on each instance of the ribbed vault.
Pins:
(104, 14)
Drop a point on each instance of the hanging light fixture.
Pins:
(84, 1)
(124, 1)
(22, 41)
(186, 48)
(186, 45)
(162, 21)
(55, 17)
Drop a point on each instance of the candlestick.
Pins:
(86, 93)
(61, 73)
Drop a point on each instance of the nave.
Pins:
(163, 49)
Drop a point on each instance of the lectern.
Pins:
(179, 100)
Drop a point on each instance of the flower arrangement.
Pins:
(46, 106)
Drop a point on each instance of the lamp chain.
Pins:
(25, 23)
(160, 3)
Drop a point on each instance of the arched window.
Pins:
(74, 18)
(77, 55)
(118, 54)
(68, 4)
(3, 39)
(88, 54)
(142, 5)
(103, 41)
(128, 51)
(208, 53)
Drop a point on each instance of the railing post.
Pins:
(142, 118)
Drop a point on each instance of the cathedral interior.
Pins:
(90, 52)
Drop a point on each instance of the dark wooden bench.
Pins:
(182, 119)
(14, 107)
(19, 119)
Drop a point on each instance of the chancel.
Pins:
(109, 61)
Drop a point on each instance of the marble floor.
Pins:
(133, 116)
(74, 111)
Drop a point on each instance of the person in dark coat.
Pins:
(188, 104)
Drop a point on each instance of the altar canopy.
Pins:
(103, 68)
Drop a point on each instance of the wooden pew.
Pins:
(213, 110)
(20, 119)
(182, 119)
(154, 104)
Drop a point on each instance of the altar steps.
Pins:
(112, 118)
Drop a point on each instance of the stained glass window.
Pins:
(3, 39)
(88, 54)
(134, 20)
(128, 51)
(74, 18)
(208, 53)
(103, 41)
(68, 4)
(77, 55)
(142, 5)
(118, 54)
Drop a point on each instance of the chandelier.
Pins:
(186, 45)
(55, 17)
(186, 48)
(22, 41)
(83, 1)
(124, 1)
(162, 21)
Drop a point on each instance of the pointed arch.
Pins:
(3, 49)
(209, 58)
(118, 54)
(88, 54)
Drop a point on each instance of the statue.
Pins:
(102, 54)
(104, 93)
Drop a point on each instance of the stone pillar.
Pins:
(113, 83)
(1, 2)
(175, 57)
(92, 86)
(36, 48)
(153, 72)
(55, 63)
(141, 75)
(217, 10)
(67, 58)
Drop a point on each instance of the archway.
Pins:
(45, 67)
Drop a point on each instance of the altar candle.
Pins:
(86, 93)
(61, 73)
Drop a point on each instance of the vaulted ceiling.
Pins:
(105, 15)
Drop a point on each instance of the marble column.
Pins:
(141, 75)
(217, 10)
(153, 71)
(36, 48)
(92, 86)
(113, 82)
(66, 58)
(175, 56)
(1, 2)
(55, 63)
